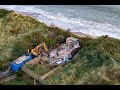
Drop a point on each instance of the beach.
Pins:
(83, 35)
(93, 21)
(35, 15)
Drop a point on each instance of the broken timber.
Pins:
(35, 76)
(49, 73)
(31, 74)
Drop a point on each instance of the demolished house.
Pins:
(60, 55)
(64, 52)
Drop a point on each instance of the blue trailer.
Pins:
(19, 62)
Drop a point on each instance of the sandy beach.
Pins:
(83, 35)
(35, 15)
(74, 18)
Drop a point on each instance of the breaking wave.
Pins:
(75, 24)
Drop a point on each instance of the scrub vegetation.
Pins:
(96, 63)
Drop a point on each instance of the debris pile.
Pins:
(64, 52)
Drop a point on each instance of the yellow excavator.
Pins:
(38, 50)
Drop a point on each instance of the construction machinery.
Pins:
(19, 62)
(39, 50)
(60, 55)
(16, 65)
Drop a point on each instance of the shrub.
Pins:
(4, 12)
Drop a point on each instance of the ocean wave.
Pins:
(74, 24)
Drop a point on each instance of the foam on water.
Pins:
(65, 22)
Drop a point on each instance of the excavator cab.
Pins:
(38, 50)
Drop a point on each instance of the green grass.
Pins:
(96, 63)
(4, 12)
(16, 82)
(20, 33)
(20, 81)
(42, 69)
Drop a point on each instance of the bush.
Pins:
(4, 12)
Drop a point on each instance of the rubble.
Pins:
(62, 54)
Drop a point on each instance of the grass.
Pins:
(42, 69)
(20, 81)
(19, 33)
(99, 67)
(3, 13)
(96, 63)
(16, 82)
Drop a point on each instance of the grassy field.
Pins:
(96, 63)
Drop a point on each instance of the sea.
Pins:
(95, 20)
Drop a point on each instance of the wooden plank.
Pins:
(36, 76)
(32, 74)
(49, 73)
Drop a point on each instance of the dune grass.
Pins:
(96, 63)
(93, 65)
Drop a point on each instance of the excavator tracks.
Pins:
(5, 74)
(8, 78)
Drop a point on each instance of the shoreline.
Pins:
(35, 15)
(84, 35)
(80, 34)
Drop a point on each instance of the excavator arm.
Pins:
(45, 47)
(36, 50)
